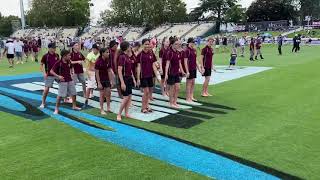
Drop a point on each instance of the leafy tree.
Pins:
(236, 14)
(271, 10)
(6, 25)
(309, 8)
(52, 13)
(144, 12)
(217, 9)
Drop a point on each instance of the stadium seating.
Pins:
(177, 30)
(133, 34)
(68, 32)
(155, 32)
(200, 30)
(22, 33)
(93, 31)
(112, 32)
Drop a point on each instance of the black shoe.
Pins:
(85, 105)
(261, 57)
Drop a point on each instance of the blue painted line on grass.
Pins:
(156, 146)
(11, 104)
(19, 77)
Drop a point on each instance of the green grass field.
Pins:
(314, 33)
(276, 123)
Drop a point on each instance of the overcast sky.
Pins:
(12, 7)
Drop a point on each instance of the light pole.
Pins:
(23, 21)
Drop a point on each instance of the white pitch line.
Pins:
(116, 98)
(134, 111)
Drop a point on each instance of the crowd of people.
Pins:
(131, 66)
(123, 66)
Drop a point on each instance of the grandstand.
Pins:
(112, 32)
(200, 30)
(155, 32)
(68, 32)
(92, 32)
(50, 33)
(133, 33)
(178, 30)
(22, 33)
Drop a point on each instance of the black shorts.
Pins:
(173, 80)
(232, 63)
(129, 84)
(147, 82)
(207, 72)
(105, 84)
(10, 56)
(193, 74)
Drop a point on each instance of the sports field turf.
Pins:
(275, 123)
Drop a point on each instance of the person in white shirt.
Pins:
(18, 46)
(242, 43)
(9, 50)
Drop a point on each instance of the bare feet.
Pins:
(119, 118)
(42, 106)
(195, 100)
(103, 112)
(76, 108)
(128, 116)
(56, 112)
(204, 95)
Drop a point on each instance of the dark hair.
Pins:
(163, 41)
(124, 46)
(145, 40)
(103, 50)
(64, 52)
(173, 40)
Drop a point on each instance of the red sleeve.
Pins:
(154, 57)
(161, 53)
(203, 52)
(82, 57)
(169, 56)
(138, 58)
(122, 59)
(44, 59)
(56, 67)
(97, 66)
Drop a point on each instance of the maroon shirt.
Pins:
(112, 56)
(133, 58)
(127, 65)
(207, 53)
(78, 68)
(63, 69)
(26, 47)
(163, 55)
(49, 60)
(174, 57)
(146, 60)
(191, 54)
(35, 46)
(103, 66)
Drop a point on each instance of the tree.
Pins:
(217, 9)
(309, 8)
(52, 13)
(144, 12)
(236, 14)
(6, 25)
(271, 10)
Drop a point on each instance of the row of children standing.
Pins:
(127, 68)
